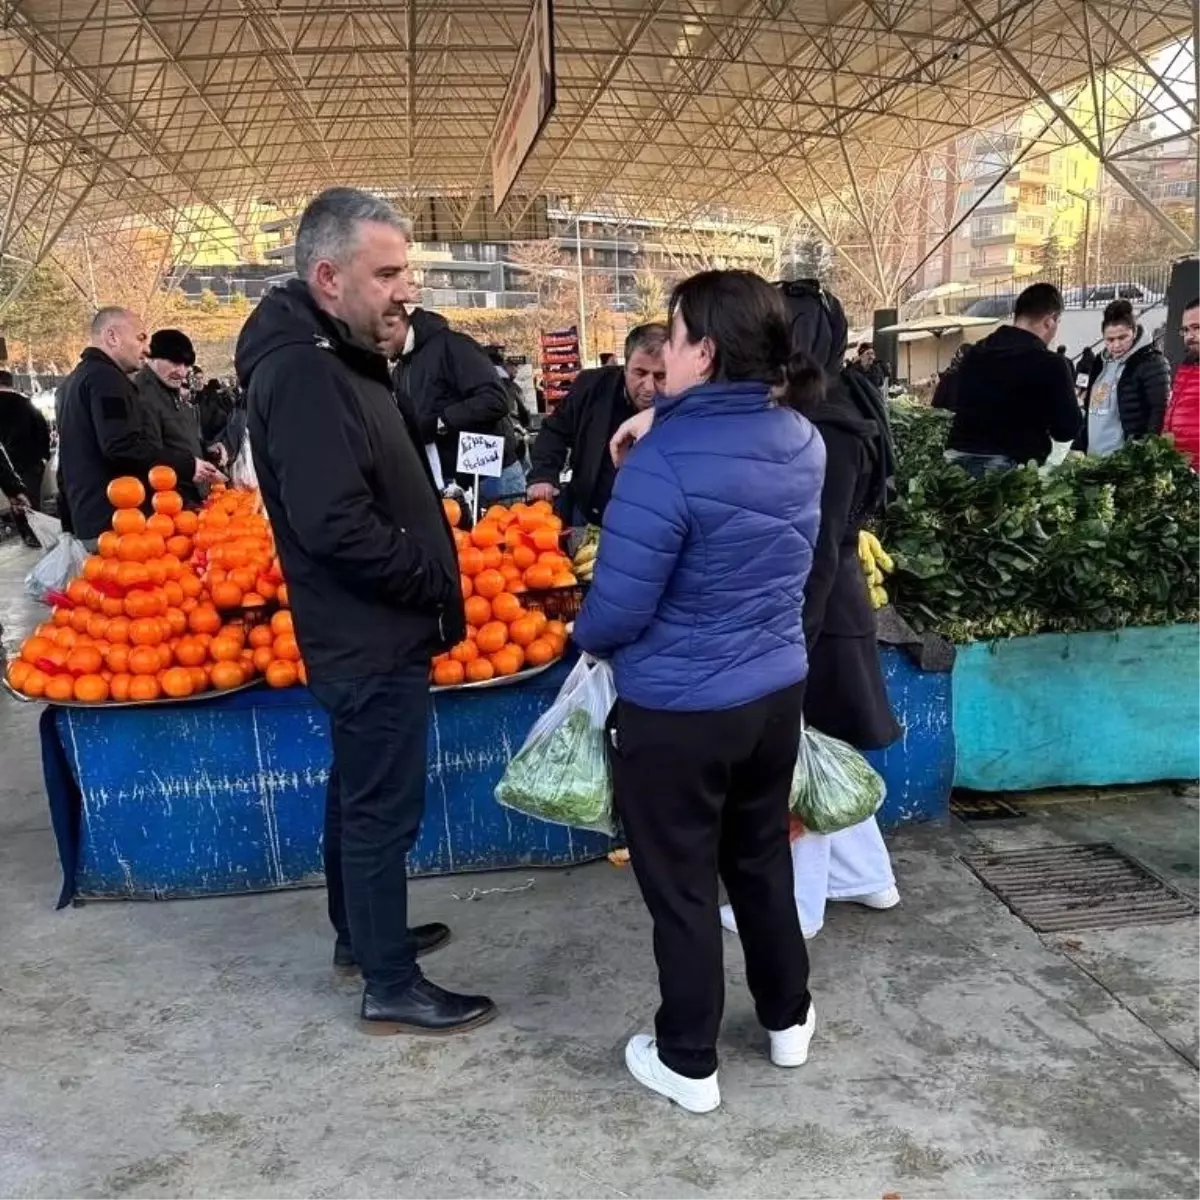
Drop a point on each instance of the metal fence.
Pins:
(1144, 285)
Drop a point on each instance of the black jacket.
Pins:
(174, 424)
(11, 484)
(448, 377)
(1013, 397)
(215, 406)
(1142, 390)
(371, 567)
(101, 436)
(581, 426)
(845, 696)
(24, 433)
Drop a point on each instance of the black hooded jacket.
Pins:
(448, 377)
(371, 568)
(845, 696)
(1012, 397)
(101, 435)
(24, 432)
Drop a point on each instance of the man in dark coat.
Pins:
(372, 574)
(1014, 397)
(171, 421)
(101, 434)
(581, 427)
(446, 381)
(25, 435)
(868, 365)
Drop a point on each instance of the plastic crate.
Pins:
(559, 604)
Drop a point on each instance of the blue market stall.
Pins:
(1078, 709)
(227, 795)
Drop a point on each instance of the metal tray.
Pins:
(502, 681)
(12, 691)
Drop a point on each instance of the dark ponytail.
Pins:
(803, 383)
(746, 321)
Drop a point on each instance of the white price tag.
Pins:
(480, 454)
(1082, 380)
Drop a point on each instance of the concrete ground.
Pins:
(202, 1048)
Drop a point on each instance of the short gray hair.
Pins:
(329, 224)
(111, 314)
(651, 338)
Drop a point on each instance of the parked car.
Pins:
(1100, 294)
(997, 307)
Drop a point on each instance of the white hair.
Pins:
(330, 224)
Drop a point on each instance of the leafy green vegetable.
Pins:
(833, 786)
(562, 776)
(1094, 544)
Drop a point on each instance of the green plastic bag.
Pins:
(561, 772)
(833, 786)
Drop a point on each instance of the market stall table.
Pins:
(227, 796)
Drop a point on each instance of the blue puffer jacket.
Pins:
(707, 544)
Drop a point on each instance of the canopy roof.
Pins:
(673, 108)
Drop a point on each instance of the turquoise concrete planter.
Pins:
(1061, 710)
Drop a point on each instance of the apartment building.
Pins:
(503, 274)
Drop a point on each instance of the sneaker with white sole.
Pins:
(729, 922)
(789, 1047)
(879, 901)
(696, 1095)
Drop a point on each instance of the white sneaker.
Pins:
(696, 1095)
(789, 1047)
(729, 922)
(888, 898)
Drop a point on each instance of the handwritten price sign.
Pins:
(480, 454)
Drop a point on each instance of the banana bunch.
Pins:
(876, 563)
(584, 562)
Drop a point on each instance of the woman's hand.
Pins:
(629, 434)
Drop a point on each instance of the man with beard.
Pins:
(598, 403)
(1183, 410)
(172, 421)
(372, 574)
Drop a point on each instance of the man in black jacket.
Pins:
(446, 381)
(372, 575)
(101, 432)
(25, 435)
(1014, 396)
(598, 403)
(24, 452)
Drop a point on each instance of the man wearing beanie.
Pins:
(171, 421)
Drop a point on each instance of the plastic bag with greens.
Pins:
(561, 773)
(833, 786)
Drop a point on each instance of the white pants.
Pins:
(838, 866)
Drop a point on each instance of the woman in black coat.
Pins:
(845, 696)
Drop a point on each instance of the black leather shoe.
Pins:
(429, 938)
(424, 1009)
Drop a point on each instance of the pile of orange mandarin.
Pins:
(172, 605)
(510, 552)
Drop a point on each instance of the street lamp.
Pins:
(1087, 198)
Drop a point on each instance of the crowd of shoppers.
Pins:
(732, 458)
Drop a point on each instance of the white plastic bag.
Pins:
(46, 529)
(833, 785)
(561, 772)
(242, 474)
(56, 568)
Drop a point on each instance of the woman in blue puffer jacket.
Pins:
(698, 600)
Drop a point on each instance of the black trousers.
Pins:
(373, 809)
(702, 794)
